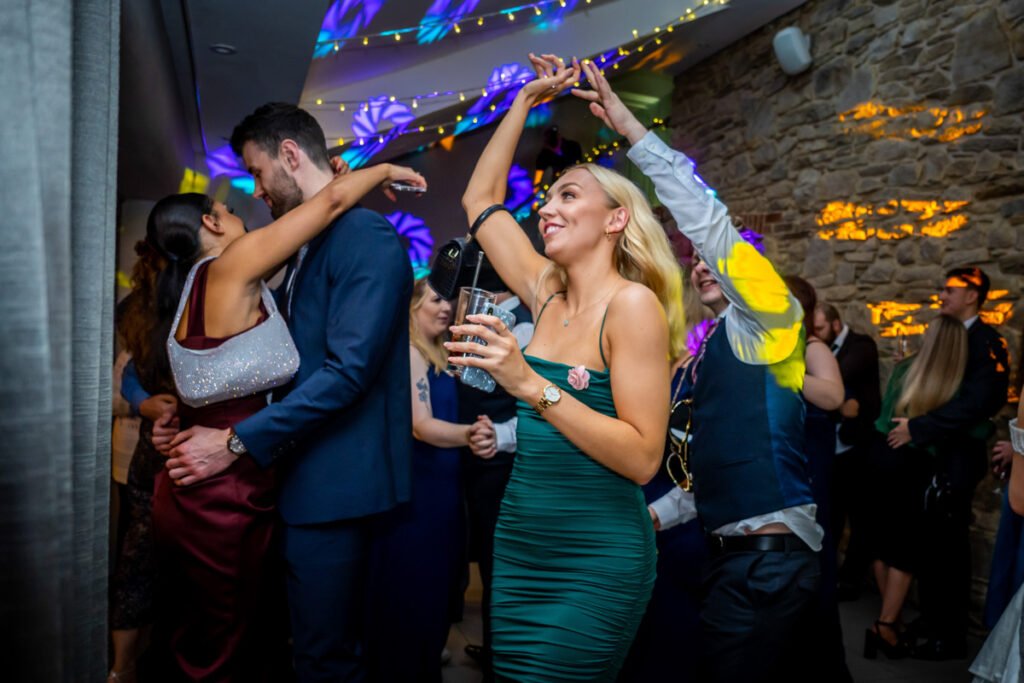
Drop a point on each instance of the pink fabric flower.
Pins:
(579, 378)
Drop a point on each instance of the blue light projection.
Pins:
(344, 19)
(520, 194)
(421, 242)
(246, 184)
(502, 86)
(440, 18)
(539, 116)
(367, 124)
(550, 19)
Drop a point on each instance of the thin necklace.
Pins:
(565, 321)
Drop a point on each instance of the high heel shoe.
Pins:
(122, 676)
(873, 642)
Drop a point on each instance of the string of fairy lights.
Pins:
(611, 59)
(454, 26)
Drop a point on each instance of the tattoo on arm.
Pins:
(423, 388)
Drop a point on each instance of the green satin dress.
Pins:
(574, 552)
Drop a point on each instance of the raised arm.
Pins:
(507, 247)
(768, 318)
(249, 258)
(426, 427)
(367, 302)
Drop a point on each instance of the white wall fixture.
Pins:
(793, 50)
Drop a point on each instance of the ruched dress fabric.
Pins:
(574, 553)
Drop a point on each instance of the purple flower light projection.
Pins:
(222, 161)
(344, 19)
(372, 116)
(756, 239)
(520, 194)
(697, 335)
(421, 242)
(438, 20)
(502, 86)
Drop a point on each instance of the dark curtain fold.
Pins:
(58, 123)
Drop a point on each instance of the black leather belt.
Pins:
(757, 542)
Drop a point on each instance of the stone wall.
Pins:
(895, 157)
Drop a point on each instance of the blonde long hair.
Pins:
(432, 350)
(643, 253)
(936, 372)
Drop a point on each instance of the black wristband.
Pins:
(484, 216)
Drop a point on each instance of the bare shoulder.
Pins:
(635, 301)
(635, 313)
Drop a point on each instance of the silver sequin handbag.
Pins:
(1016, 436)
(256, 360)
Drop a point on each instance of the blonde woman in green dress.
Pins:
(574, 555)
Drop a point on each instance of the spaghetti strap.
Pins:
(600, 336)
(541, 312)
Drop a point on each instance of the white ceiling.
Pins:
(275, 40)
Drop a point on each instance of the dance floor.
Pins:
(855, 617)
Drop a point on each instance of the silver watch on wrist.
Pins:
(235, 444)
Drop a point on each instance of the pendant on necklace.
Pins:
(565, 323)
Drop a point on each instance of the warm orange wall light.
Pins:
(914, 122)
(999, 312)
(843, 220)
(895, 318)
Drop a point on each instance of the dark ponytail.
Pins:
(166, 256)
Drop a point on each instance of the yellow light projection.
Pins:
(193, 181)
(914, 122)
(842, 220)
(895, 318)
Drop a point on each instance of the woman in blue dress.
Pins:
(419, 557)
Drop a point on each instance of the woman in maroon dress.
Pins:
(227, 348)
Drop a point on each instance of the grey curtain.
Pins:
(58, 138)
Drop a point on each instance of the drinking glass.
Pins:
(472, 301)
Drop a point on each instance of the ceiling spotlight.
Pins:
(223, 49)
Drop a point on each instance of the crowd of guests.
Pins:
(658, 486)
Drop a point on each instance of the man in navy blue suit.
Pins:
(341, 432)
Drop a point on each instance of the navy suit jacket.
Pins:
(342, 429)
(858, 365)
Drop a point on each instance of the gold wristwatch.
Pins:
(550, 396)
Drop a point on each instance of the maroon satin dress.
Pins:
(213, 541)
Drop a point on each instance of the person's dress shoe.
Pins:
(940, 650)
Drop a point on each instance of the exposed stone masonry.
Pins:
(907, 126)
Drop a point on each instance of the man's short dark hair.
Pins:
(973, 278)
(829, 311)
(275, 122)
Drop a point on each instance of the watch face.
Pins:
(552, 393)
